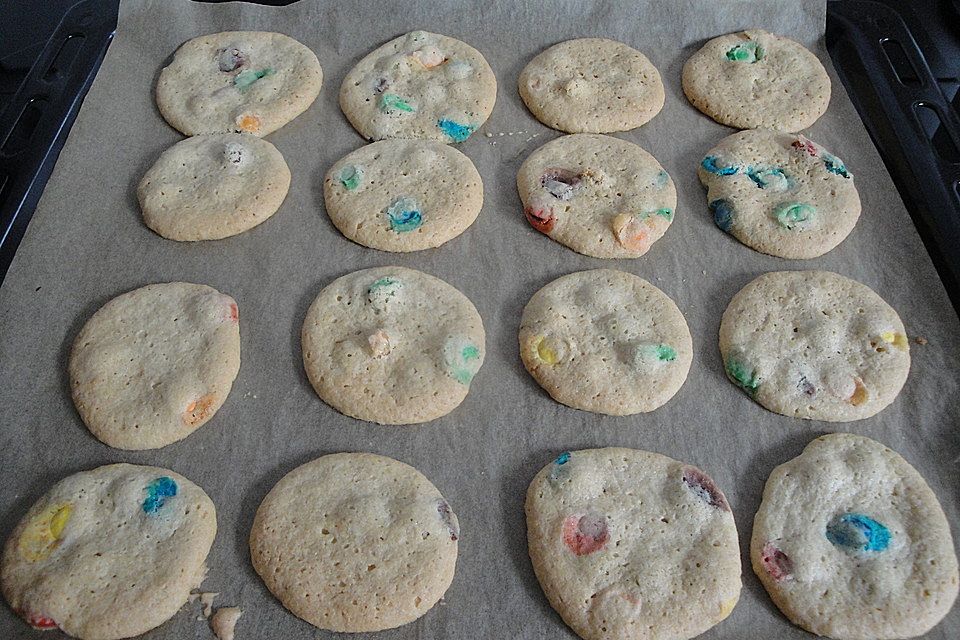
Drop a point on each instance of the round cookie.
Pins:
(757, 80)
(632, 544)
(815, 345)
(780, 193)
(403, 195)
(109, 553)
(852, 544)
(605, 341)
(419, 85)
(392, 345)
(598, 195)
(592, 85)
(154, 364)
(355, 542)
(238, 81)
(213, 186)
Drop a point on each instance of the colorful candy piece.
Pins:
(404, 215)
(158, 492)
(350, 177)
(379, 343)
(662, 179)
(198, 410)
(745, 378)
(802, 143)
(630, 232)
(834, 165)
(392, 102)
(654, 354)
(540, 217)
(776, 563)
(750, 52)
(248, 123)
(726, 607)
(559, 471)
(462, 359)
(860, 394)
(896, 339)
(38, 621)
(234, 312)
(457, 132)
(585, 534)
(383, 290)
(710, 163)
(230, 59)
(247, 77)
(446, 515)
(44, 532)
(722, 213)
(858, 532)
(703, 486)
(546, 351)
(772, 178)
(795, 215)
(561, 183)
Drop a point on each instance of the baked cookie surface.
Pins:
(419, 85)
(598, 195)
(355, 542)
(780, 193)
(154, 364)
(754, 79)
(852, 544)
(632, 544)
(403, 195)
(238, 81)
(109, 553)
(392, 345)
(605, 341)
(815, 345)
(213, 186)
(592, 85)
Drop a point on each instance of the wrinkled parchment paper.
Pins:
(87, 244)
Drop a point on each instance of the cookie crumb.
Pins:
(920, 340)
(206, 599)
(224, 621)
(489, 135)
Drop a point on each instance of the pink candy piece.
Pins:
(776, 562)
(803, 144)
(585, 534)
(703, 485)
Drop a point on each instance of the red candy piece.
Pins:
(776, 562)
(701, 484)
(234, 312)
(585, 534)
(39, 622)
(540, 218)
(803, 144)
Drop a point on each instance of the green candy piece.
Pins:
(746, 52)
(462, 359)
(391, 101)
(665, 212)
(746, 380)
(248, 76)
(666, 353)
(380, 291)
(795, 215)
(350, 177)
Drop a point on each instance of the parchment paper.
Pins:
(87, 244)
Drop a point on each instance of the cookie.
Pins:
(757, 80)
(592, 85)
(238, 81)
(355, 542)
(632, 544)
(392, 345)
(780, 193)
(213, 186)
(420, 85)
(154, 364)
(403, 195)
(814, 345)
(605, 341)
(852, 544)
(598, 195)
(109, 553)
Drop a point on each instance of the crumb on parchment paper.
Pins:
(224, 621)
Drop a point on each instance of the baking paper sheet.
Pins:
(87, 244)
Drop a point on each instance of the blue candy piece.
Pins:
(833, 164)
(563, 458)
(722, 213)
(404, 215)
(769, 178)
(458, 132)
(558, 472)
(157, 493)
(710, 164)
(858, 532)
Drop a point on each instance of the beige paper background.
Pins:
(87, 244)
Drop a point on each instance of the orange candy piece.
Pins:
(248, 123)
(198, 410)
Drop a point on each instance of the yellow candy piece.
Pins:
(44, 532)
(726, 607)
(896, 339)
(545, 352)
(860, 394)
